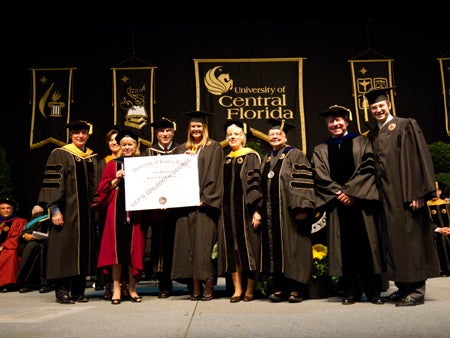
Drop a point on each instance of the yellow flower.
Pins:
(320, 260)
(320, 251)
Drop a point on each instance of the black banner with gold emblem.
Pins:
(444, 64)
(133, 100)
(252, 91)
(366, 74)
(51, 99)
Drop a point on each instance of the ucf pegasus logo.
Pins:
(217, 82)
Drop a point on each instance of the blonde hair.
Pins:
(205, 137)
(233, 127)
(137, 152)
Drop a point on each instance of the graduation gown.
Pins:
(10, 230)
(196, 227)
(162, 225)
(123, 240)
(242, 196)
(286, 243)
(362, 222)
(70, 182)
(405, 172)
(439, 214)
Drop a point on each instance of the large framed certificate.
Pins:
(160, 182)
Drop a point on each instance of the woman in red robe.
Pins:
(123, 241)
(10, 228)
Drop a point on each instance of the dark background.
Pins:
(171, 45)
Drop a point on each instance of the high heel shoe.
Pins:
(235, 299)
(115, 301)
(136, 299)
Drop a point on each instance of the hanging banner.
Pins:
(133, 100)
(367, 74)
(444, 64)
(51, 98)
(252, 91)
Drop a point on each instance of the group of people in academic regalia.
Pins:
(254, 217)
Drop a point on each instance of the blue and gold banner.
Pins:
(444, 64)
(51, 99)
(366, 74)
(133, 100)
(252, 91)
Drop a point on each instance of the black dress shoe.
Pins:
(206, 298)
(80, 299)
(65, 300)
(277, 297)
(4, 290)
(410, 301)
(164, 294)
(349, 300)
(295, 297)
(196, 297)
(393, 297)
(45, 289)
(377, 300)
(25, 289)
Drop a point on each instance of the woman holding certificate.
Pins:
(123, 241)
(196, 227)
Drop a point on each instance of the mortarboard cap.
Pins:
(197, 116)
(9, 201)
(80, 125)
(282, 125)
(337, 111)
(240, 124)
(124, 133)
(163, 123)
(374, 95)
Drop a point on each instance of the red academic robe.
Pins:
(9, 258)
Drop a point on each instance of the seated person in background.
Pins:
(440, 222)
(10, 228)
(31, 275)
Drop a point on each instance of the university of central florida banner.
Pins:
(252, 91)
(444, 64)
(133, 100)
(51, 98)
(367, 74)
